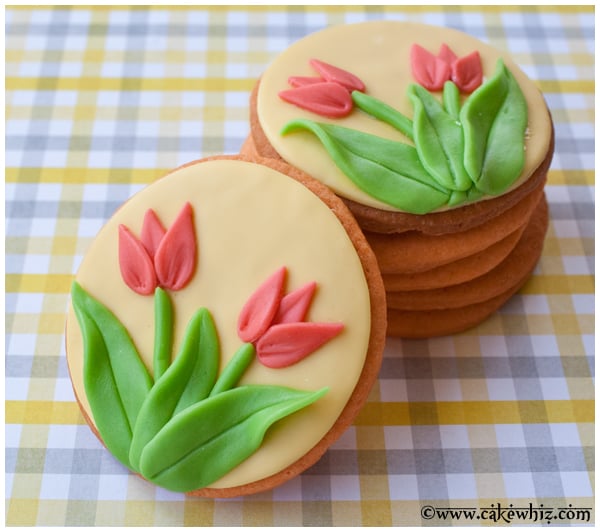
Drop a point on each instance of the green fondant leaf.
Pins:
(438, 139)
(386, 170)
(457, 198)
(115, 379)
(188, 379)
(207, 440)
(163, 332)
(477, 116)
(201, 344)
(461, 197)
(384, 112)
(494, 120)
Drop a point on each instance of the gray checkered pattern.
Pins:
(172, 86)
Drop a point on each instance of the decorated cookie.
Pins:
(226, 325)
(402, 117)
(438, 143)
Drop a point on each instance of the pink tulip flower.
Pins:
(165, 258)
(432, 71)
(274, 323)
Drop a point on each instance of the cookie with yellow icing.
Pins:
(435, 141)
(208, 319)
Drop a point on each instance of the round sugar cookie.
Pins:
(209, 318)
(509, 273)
(407, 91)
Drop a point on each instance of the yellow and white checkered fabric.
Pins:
(100, 101)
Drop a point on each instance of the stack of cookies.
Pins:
(438, 144)
(443, 275)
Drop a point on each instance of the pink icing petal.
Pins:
(325, 99)
(294, 306)
(428, 69)
(152, 232)
(136, 265)
(175, 258)
(260, 309)
(467, 72)
(338, 75)
(300, 81)
(285, 344)
(446, 54)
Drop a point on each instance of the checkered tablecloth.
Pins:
(101, 101)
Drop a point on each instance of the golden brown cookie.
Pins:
(453, 273)
(445, 321)
(257, 142)
(248, 149)
(230, 264)
(292, 90)
(504, 277)
(431, 323)
(414, 251)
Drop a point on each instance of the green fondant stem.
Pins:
(451, 99)
(384, 112)
(234, 369)
(171, 431)
(163, 332)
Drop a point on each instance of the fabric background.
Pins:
(102, 101)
